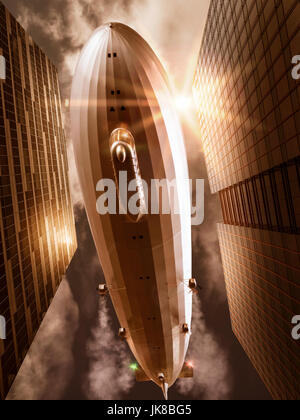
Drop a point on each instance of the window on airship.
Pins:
(113, 92)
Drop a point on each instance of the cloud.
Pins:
(174, 29)
(109, 375)
(211, 368)
(48, 365)
(207, 260)
(76, 193)
(207, 265)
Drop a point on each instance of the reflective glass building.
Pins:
(37, 233)
(248, 106)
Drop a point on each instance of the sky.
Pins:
(77, 353)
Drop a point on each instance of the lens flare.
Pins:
(134, 366)
(183, 103)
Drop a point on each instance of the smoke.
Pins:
(207, 261)
(46, 369)
(109, 374)
(211, 369)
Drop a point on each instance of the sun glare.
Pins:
(183, 103)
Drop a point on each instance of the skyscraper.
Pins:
(37, 229)
(249, 111)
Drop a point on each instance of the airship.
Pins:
(123, 120)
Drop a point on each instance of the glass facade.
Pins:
(37, 228)
(262, 281)
(248, 107)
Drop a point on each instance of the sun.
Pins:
(184, 103)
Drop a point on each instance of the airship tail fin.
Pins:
(165, 388)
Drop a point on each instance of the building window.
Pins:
(266, 201)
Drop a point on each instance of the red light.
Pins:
(190, 364)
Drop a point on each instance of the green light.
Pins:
(134, 366)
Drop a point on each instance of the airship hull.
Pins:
(121, 87)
